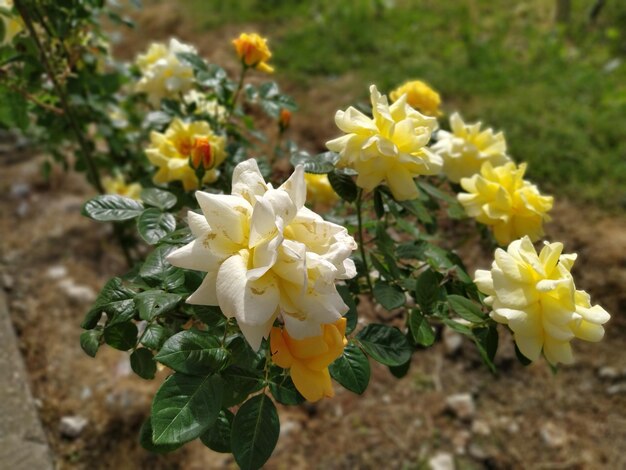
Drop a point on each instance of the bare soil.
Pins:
(526, 417)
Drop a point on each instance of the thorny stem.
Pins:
(359, 200)
(86, 152)
(92, 169)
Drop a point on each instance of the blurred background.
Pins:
(549, 73)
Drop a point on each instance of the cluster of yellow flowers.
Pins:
(267, 256)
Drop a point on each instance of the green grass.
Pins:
(549, 87)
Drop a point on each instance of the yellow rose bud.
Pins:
(202, 153)
(252, 49)
(501, 198)
(309, 358)
(170, 152)
(536, 297)
(420, 96)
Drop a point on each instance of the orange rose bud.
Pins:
(285, 119)
(202, 154)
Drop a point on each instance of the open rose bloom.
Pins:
(266, 255)
(534, 294)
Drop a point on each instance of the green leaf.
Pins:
(196, 62)
(155, 335)
(427, 290)
(142, 363)
(389, 296)
(420, 328)
(115, 300)
(158, 198)
(217, 437)
(284, 391)
(156, 269)
(153, 225)
(379, 206)
(239, 383)
(193, 352)
(184, 407)
(122, 336)
(352, 369)
(486, 338)
(111, 208)
(385, 344)
(145, 439)
(352, 314)
(90, 341)
(521, 358)
(255, 432)
(466, 309)
(343, 185)
(321, 163)
(153, 303)
(401, 370)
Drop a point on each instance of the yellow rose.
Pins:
(419, 95)
(388, 148)
(319, 190)
(163, 75)
(170, 152)
(253, 51)
(501, 198)
(536, 297)
(466, 148)
(12, 23)
(117, 185)
(309, 358)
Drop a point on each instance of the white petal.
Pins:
(262, 223)
(248, 181)
(225, 214)
(196, 256)
(295, 186)
(206, 294)
(197, 223)
(254, 334)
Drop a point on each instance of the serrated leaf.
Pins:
(158, 198)
(112, 208)
(427, 290)
(145, 439)
(122, 336)
(157, 271)
(90, 341)
(343, 185)
(352, 369)
(142, 363)
(239, 383)
(193, 352)
(153, 225)
(217, 437)
(321, 163)
(153, 303)
(115, 300)
(466, 309)
(389, 296)
(184, 407)
(385, 344)
(255, 432)
(420, 329)
(155, 335)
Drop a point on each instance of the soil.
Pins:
(526, 417)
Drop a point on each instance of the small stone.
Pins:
(552, 435)
(460, 440)
(7, 281)
(72, 426)
(290, 427)
(476, 451)
(608, 373)
(56, 272)
(462, 405)
(616, 389)
(441, 461)
(77, 292)
(481, 427)
(386, 399)
(20, 190)
(452, 341)
(22, 209)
